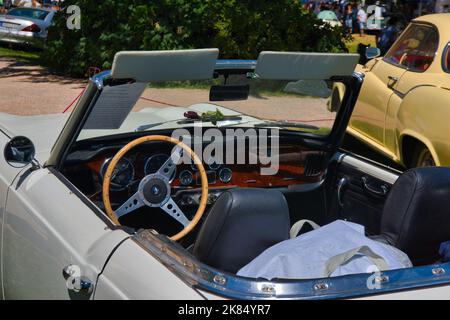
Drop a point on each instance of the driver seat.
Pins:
(240, 226)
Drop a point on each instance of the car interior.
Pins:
(247, 213)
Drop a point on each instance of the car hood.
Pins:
(42, 130)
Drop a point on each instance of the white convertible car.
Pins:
(105, 203)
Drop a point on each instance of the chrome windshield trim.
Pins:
(98, 79)
(235, 64)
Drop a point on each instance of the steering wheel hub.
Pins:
(154, 190)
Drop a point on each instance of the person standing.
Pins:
(362, 19)
(348, 18)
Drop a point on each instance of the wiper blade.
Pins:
(227, 121)
(156, 124)
(286, 124)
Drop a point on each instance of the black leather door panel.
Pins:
(358, 196)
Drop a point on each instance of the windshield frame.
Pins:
(68, 136)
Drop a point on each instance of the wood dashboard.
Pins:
(297, 166)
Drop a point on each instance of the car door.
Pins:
(54, 245)
(417, 61)
(358, 190)
(381, 82)
(7, 176)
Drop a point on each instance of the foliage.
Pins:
(240, 29)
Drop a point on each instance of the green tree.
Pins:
(240, 29)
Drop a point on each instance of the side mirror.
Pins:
(19, 152)
(372, 53)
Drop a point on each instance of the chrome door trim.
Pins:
(370, 168)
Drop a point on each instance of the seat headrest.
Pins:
(416, 215)
(241, 225)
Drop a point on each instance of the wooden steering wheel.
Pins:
(154, 189)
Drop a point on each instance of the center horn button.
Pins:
(155, 191)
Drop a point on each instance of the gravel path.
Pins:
(27, 89)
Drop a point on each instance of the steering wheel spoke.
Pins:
(172, 209)
(168, 168)
(133, 203)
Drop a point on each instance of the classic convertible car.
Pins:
(403, 107)
(118, 201)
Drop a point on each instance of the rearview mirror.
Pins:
(229, 93)
(19, 152)
(372, 52)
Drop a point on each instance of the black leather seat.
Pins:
(241, 225)
(416, 215)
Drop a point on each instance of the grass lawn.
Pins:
(17, 53)
(357, 39)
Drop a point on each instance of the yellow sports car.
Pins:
(403, 109)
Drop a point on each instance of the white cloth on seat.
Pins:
(338, 248)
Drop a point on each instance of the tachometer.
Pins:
(186, 177)
(155, 162)
(122, 176)
(225, 175)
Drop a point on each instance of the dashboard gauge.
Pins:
(155, 162)
(122, 176)
(186, 177)
(213, 164)
(225, 175)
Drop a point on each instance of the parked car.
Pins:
(26, 26)
(403, 108)
(95, 205)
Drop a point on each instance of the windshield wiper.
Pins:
(227, 121)
(156, 124)
(286, 124)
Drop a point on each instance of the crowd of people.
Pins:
(8, 4)
(352, 15)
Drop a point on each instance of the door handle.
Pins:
(381, 192)
(341, 184)
(392, 81)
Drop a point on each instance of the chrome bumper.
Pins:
(22, 37)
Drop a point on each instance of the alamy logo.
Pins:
(374, 280)
(74, 19)
(236, 146)
(73, 281)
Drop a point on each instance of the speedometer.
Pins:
(122, 175)
(155, 162)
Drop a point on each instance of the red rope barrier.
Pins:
(71, 104)
(160, 102)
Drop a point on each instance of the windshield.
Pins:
(29, 13)
(228, 100)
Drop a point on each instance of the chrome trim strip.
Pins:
(200, 276)
(370, 169)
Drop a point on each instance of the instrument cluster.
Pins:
(214, 171)
(127, 171)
